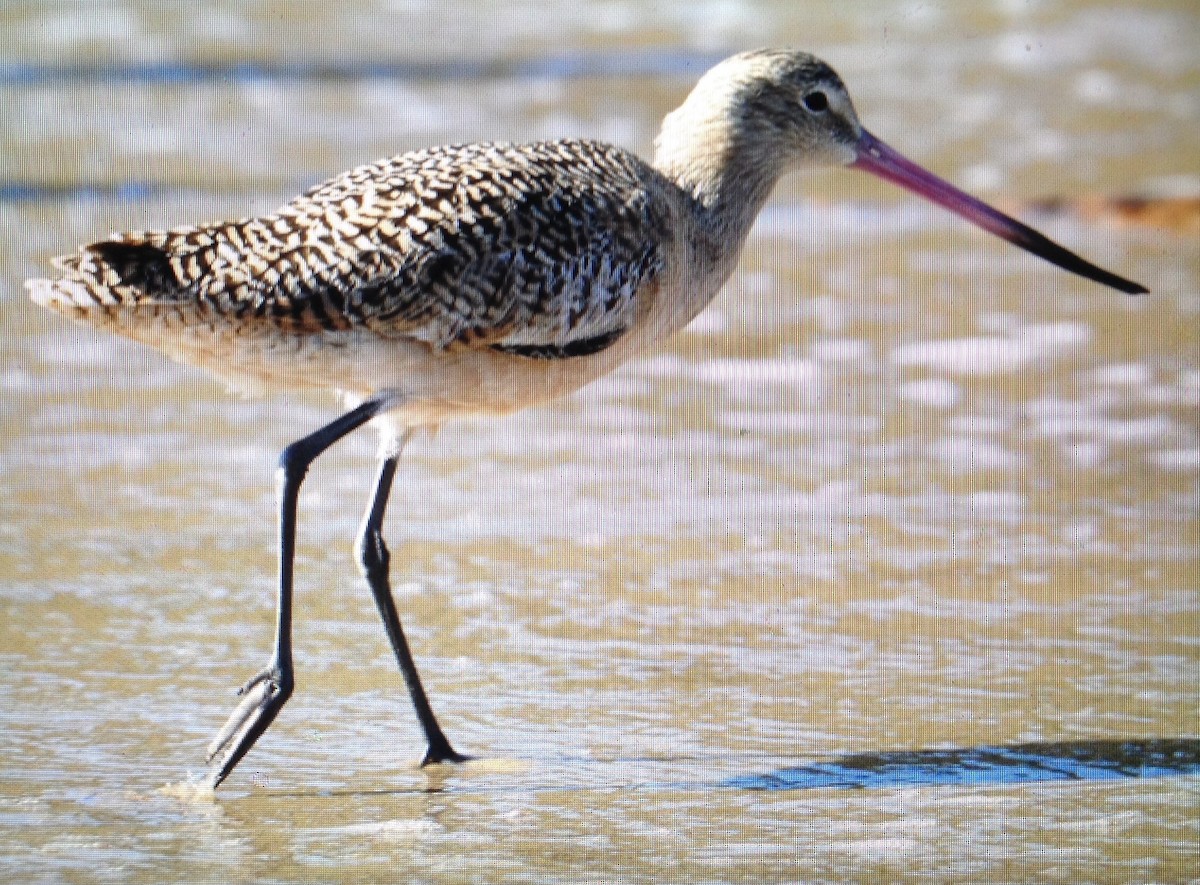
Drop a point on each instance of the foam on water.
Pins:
(192, 791)
(994, 355)
(746, 373)
(937, 393)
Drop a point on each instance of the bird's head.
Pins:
(769, 109)
(790, 104)
(758, 114)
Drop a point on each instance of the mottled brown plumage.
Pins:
(516, 247)
(478, 278)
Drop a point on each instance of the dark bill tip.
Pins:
(877, 158)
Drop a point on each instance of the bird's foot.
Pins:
(262, 699)
(441, 751)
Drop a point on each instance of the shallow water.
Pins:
(885, 568)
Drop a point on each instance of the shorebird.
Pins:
(478, 279)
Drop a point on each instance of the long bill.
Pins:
(877, 158)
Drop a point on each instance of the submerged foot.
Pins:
(262, 699)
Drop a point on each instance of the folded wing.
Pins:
(539, 250)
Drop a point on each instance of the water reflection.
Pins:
(981, 766)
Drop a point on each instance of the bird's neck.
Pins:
(728, 174)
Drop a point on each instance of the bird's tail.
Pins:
(147, 286)
(103, 277)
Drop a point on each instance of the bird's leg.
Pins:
(266, 693)
(373, 559)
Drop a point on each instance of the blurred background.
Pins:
(901, 488)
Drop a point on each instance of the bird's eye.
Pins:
(816, 102)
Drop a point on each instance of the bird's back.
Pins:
(538, 249)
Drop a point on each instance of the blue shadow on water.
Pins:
(575, 65)
(41, 192)
(982, 766)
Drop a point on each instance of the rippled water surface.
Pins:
(885, 569)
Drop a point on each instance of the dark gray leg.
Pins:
(373, 559)
(266, 693)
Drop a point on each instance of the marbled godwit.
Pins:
(478, 278)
